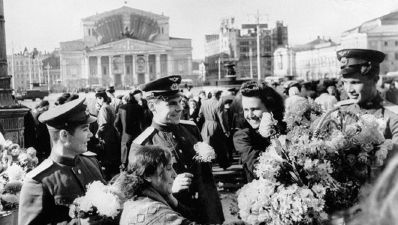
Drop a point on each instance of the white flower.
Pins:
(15, 173)
(267, 125)
(101, 197)
(204, 152)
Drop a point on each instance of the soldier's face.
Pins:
(77, 142)
(253, 109)
(163, 179)
(360, 88)
(167, 112)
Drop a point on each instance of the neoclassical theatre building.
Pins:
(123, 47)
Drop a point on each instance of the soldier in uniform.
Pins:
(360, 72)
(49, 189)
(194, 185)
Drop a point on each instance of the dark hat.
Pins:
(167, 87)
(356, 60)
(110, 89)
(136, 91)
(62, 116)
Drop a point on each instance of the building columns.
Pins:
(133, 72)
(99, 70)
(110, 71)
(170, 67)
(147, 78)
(158, 72)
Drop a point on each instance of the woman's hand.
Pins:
(182, 182)
(172, 200)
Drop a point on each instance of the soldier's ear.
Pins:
(151, 106)
(63, 135)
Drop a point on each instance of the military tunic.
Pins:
(49, 189)
(202, 197)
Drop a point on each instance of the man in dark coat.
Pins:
(360, 71)
(129, 123)
(215, 130)
(194, 185)
(49, 189)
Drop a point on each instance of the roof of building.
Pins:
(177, 38)
(385, 29)
(388, 19)
(124, 9)
(319, 42)
(74, 45)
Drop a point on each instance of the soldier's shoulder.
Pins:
(187, 123)
(43, 169)
(145, 135)
(391, 107)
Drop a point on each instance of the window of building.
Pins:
(386, 43)
(386, 58)
(89, 32)
(396, 43)
(396, 56)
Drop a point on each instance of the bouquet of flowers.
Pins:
(204, 152)
(101, 203)
(316, 169)
(14, 164)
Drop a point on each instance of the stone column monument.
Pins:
(11, 113)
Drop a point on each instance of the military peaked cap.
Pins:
(352, 60)
(167, 87)
(70, 113)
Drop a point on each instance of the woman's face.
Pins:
(163, 179)
(253, 109)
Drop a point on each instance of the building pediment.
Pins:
(128, 45)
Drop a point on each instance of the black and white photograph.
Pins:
(191, 112)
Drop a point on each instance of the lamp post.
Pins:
(11, 113)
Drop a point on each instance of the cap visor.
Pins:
(91, 119)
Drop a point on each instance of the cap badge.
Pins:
(174, 87)
(343, 61)
(173, 79)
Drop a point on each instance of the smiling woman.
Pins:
(257, 98)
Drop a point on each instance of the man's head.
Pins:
(102, 97)
(42, 106)
(164, 99)
(360, 72)
(68, 126)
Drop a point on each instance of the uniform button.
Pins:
(186, 167)
(180, 151)
(174, 136)
(79, 171)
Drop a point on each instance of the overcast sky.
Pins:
(45, 23)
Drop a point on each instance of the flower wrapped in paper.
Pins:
(204, 152)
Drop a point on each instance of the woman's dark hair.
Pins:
(143, 162)
(272, 100)
(103, 95)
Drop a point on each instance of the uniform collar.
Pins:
(62, 159)
(164, 127)
(373, 103)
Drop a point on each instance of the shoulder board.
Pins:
(391, 107)
(40, 168)
(88, 153)
(144, 135)
(187, 122)
(345, 102)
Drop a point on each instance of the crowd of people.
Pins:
(150, 142)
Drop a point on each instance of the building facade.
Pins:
(124, 47)
(33, 67)
(379, 34)
(312, 61)
(239, 47)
